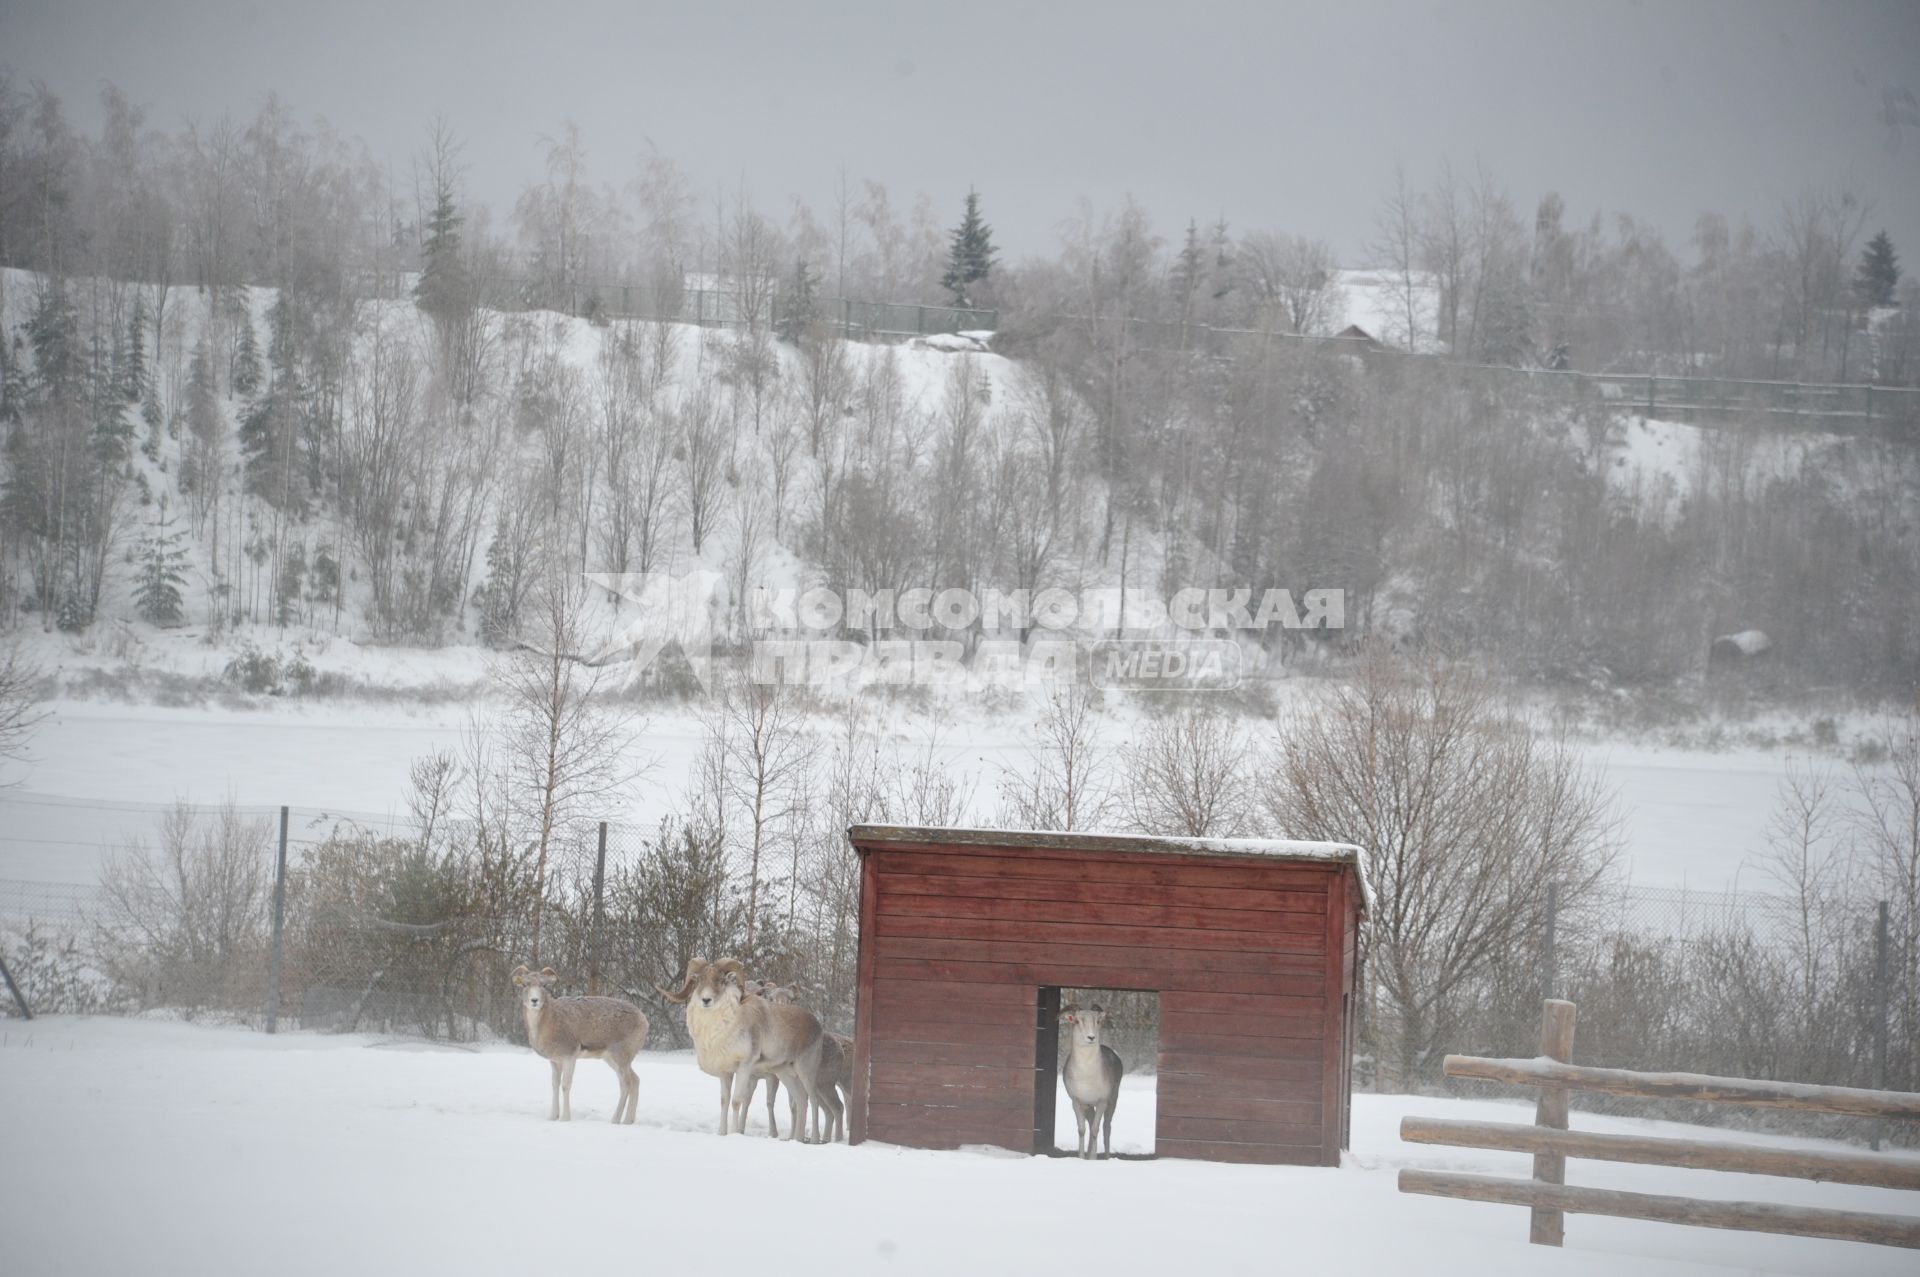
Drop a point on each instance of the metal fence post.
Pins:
(279, 921)
(1882, 997)
(599, 912)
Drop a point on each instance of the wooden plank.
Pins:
(1238, 1067)
(1236, 1130)
(1010, 1032)
(890, 990)
(998, 887)
(1196, 1101)
(1227, 1151)
(891, 1004)
(1876, 1170)
(1213, 1044)
(1311, 1025)
(1010, 863)
(1016, 1099)
(863, 1005)
(979, 1055)
(1210, 1002)
(917, 1126)
(1802, 1096)
(936, 1075)
(1141, 941)
(1331, 1043)
(1151, 979)
(1549, 1227)
(1305, 967)
(1752, 1217)
(1190, 917)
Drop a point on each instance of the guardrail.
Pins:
(1551, 1144)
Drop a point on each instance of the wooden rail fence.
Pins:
(1550, 1142)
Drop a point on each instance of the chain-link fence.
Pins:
(323, 920)
(395, 925)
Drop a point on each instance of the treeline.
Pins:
(203, 410)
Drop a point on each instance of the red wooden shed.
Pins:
(967, 937)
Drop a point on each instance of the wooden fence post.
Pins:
(1549, 1227)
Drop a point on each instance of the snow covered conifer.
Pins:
(161, 573)
(1879, 272)
(971, 257)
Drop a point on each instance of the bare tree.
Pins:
(20, 683)
(1887, 834)
(1467, 819)
(1290, 277)
(1396, 245)
(701, 449)
(567, 751)
(1804, 857)
(765, 755)
(182, 924)
(1186, 775)
(1063, 783)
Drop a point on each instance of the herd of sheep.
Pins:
(747, 1030)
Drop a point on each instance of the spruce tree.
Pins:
(1187, 269)
(971, 257)
(1879, 272)
(802, 303)
(441, 290)
(162, 571)
(134, 378)
(246, 360)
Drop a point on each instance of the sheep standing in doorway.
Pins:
(1092, 1074)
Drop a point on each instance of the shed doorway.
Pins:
(1132, 1029)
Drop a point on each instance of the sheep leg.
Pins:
(1106, 1123)
(797, 1108)
(553, 1114)
(726, 1102)
(747, 1067)
(620, 1071)
(1080, 1129)
(802, 1104)
(566, 1089)
(773, 1092)
(823, 1105)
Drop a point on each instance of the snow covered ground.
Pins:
(170, 1148)
(102, 769)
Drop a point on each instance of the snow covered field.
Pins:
(1690, 819)
(170, 1148)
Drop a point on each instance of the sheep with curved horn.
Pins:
(736, 1034)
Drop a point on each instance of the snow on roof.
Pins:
(1144, 844)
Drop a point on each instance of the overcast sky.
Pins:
(1282, 116)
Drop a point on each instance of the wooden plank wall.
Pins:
(956, 946)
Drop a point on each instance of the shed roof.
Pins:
(1137, 844)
